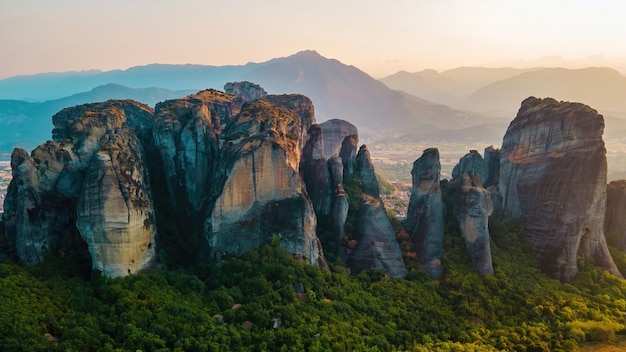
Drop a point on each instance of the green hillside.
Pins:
(235, 305)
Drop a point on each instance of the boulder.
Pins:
(425, 218)
(553, 180)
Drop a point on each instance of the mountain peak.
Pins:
(307, 53)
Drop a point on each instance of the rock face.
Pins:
(115, 214)
(615, 218)
(247, 90)
(231, 172)
(322, 170)
(376, 245)
(264, 194)
(553, 179)
(42, 214)
(187, 137)
(425, 221)
(216, 174)
(473, 206)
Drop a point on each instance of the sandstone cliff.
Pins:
(473, 206)
(553, 179)
(41, 212)
(115, 214)
(615, 218)
(264, 195)
(247, 90)
(425, 218)
(374, 245)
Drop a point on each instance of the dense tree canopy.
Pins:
(266, 300)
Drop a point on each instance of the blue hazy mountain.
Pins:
(27, 124)
(337, 91)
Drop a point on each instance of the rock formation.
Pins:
(553, 179)
(264, 194)
(115, 214)
(41, 214)
(425, 222)
(375, 245)
(615, 217)
(217, 174)
(247, 90)
(322, 170)
(473, 207)
(187, 136)
(231, 172)
(340, 206)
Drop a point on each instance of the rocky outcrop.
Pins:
(492, 177)
(340, 206)
(41, 212)
(425, 222)
(247, 90)
(473, 206)
(553, 179)
(322, 170)
(492, 167)
(187, 137)
(615, 216)
(299, 105)
(374, 245)
(115, 214)
(264, 195)
(365, 171)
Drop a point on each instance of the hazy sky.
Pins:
(380, 37)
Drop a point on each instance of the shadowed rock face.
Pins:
(424, 222)
(324, 176)
(187, 137)
(376, 245)
(615, 219)
(340, 207)
(473, 207)
(492, 177)
(41, 211)
(553, 179)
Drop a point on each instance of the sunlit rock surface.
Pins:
(115, 214)
(553, 180)
(40, 211)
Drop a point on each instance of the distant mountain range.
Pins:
(500, 90)
(467, 103)
(451, 86)
(337, 91)
(27, 124)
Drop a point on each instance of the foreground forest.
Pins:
(266, 300)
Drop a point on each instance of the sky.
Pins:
(379, 37)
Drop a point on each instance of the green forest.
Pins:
(268, 301)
